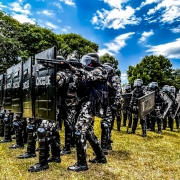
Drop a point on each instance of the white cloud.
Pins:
(169, 10)
(66, 28)
(117, 18)
(116, 45)
(124, 78)
(18, 7)
(2, 6)
(176, 29)
(58, 5)
(147, 2)
(46, 12)
(51, 25)
(145, 35)
(68, 2)
(22, 18)
(115, 3)
(169, 50)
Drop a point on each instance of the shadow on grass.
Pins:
(120, 155)
(170, 133)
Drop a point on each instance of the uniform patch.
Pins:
(57, 77)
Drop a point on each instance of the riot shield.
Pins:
(27, 90)
(127, 99)
(146, 104)
(169, 103)
(8, 89)
(45, 87)
(178, 105)
(17, 88)
(1, 89)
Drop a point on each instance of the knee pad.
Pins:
(6, 120)
(41, 133)
(104, 125)
(77, 135)
(29, 129)
(16, 125)
(1, 115)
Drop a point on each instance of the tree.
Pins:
(107, 58)
(74, 45)
(176, 78)
(152, 68)
(10, 46)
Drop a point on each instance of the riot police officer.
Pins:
(95, 97)
(137, 93)
(115, 98)
(156, 115)
(126, 113)
(172, 95)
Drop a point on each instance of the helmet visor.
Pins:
(86, 60)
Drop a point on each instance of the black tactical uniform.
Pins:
(156, 115)
(114, 95)
(171, 113)
(137, 93)
(126, 113)
(95, 97)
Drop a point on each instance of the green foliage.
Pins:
(107, 58)
(74, 45)
(152, 68)
(176, 78)
(20, 41)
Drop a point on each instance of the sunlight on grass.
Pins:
(133, 157)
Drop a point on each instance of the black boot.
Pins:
(104, 137)
(130, 119)
(31, 144)
(81, 164)
(143, 124)
(1, 125)
(177, 121)
(7, 130)
(134, 126)
(43, 152)
(124, 119)
(19, 138)
(171, 123)
(118, 120)
(100, 157)
(153, 122)
(67, 147)
(159, 123)
(55, 148)
(24, 132)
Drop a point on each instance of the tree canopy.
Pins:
(152, 68)
(20, 41)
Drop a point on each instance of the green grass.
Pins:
(133, 157)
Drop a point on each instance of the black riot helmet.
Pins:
(60, 58)
(138, 83)
(127, 87)
(108, 68)
(109, 64)
(165, 88)
(153, 86)
(172, 89)
(90, 59)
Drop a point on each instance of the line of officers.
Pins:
(89, 90)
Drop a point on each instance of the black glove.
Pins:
(114, 107)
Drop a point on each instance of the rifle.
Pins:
(58, 64)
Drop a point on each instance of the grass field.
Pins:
(133, 157)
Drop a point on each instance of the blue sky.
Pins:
(127, 29)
